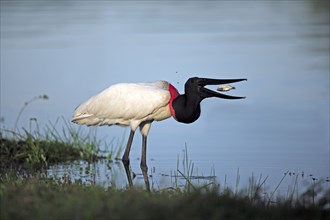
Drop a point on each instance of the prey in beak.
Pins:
(207, 93)
(186, 108)
(225, 88)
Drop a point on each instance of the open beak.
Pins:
(207, 93)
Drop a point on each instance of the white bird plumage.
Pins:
(139, 104)
(126, 104)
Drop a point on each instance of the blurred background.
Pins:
(71, 50)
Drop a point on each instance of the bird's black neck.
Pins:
(187, 109)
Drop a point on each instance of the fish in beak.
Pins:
(207, 93)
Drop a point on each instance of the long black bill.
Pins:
(207, 93)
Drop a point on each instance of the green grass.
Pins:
(40, 148)
(36, 149)
(30, 194)
(27, 193)
(39, 198)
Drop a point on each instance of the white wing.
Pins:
(125, 104)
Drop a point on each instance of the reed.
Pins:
(40, 147)
(34, 195)
(38, 197)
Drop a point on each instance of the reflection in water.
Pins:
(116, 174)
(103, 172)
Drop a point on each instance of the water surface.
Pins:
(71, 50)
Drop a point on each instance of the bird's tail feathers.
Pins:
(81, 118)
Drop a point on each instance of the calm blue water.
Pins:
(72, 50)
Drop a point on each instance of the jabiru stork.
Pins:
(139, 104)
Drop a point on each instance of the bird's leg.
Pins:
(125, 158)
(143, 164)
(128, 174)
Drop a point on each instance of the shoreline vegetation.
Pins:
(36, 198)
(27, 193)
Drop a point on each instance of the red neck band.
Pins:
(174, 93)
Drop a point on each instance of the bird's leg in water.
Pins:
(128, 174)
(125, 158)
(143, 164)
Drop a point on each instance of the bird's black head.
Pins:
(187, 106)
(196, 86)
